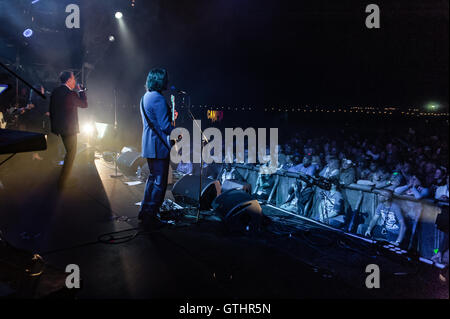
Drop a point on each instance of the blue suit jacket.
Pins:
(159, 114)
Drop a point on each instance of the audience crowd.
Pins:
(412, 164)
(409, 164)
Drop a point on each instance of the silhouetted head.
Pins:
(307, 160)
(157, 80)
(67, 78)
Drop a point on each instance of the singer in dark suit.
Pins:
(64, 103)
(155, 145)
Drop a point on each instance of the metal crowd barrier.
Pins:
(421, 235)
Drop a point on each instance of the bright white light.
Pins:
(88, 129)
(27, 33)
(118, 15)
(101, 129)
(111, 38)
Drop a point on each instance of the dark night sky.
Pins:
(260, 52)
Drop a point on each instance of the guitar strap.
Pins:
(150, 124)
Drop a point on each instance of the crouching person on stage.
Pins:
(387, 223)
(157, 126)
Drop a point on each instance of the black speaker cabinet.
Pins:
(235, 184)
(239, 211)
(186, 191)
(128, 162)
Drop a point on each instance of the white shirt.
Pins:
(441, 191)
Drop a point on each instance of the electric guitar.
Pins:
(11, 117)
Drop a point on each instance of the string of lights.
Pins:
(319, 109)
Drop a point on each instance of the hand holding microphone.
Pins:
(81, 88)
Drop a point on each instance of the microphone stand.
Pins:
(203, 140)
(116, 175)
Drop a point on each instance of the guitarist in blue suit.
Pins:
(157, 126)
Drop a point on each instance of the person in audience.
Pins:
(439, 176)
(442, 255)
(391, 157)
(413, 188)
(362, 171)
(229, 172)
(406, 171)
(291, 203)
(332, 168)
(441, 193)
(281, 156)
(331, 203)
(347, 176)
(296, 159)
(316, 162)
(300, 198)
(347, 173)
(373, 153)
(373, 169)
(264, 184)
(394, 181)
(380, 178)
(387, 223)
(429, 173)
(288, 163)
(305, 167)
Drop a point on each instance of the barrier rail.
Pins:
(422, 235)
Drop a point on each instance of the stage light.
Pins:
(34, 1)
(88, 129)
(101, 129)
(27, 33)
(3, 88)
(111, 38)
(118, 15)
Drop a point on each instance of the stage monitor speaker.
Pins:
(187, 188)
(239, 211)
(235, 184)
(128, 162)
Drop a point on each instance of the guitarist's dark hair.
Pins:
(157, 80)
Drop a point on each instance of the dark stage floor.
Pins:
(292, 259)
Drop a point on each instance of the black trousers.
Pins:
(155, 189)
(70, 144)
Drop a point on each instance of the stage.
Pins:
(292, 258)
